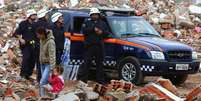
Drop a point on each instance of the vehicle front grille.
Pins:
(181, 55)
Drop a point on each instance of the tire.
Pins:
(125, 68)
(177, 79)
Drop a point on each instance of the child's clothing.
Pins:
(56, 82)
(48, 87)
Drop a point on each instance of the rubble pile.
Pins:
(11, 86)
(175, 21)
(103, 3)
(160, 90)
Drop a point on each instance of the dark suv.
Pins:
(134, 48)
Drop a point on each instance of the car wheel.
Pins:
(129, 70)
(177, 79)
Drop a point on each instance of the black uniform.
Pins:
(59, 41)
(26, 29)
(94, 47)
(40, 23)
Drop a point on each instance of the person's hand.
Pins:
(22, 41)
(51, 72)
(98, 31)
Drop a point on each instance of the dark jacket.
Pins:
(59, 37)
(41, 23)
(27, 31)
(91, 38)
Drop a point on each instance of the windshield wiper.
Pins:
(129, 34)
(149, 34)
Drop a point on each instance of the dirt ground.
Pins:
(193, 81)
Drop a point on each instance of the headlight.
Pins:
(194, 55)
(157, 55)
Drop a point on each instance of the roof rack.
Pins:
(111, 9)
(106, 11)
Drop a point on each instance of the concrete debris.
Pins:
(119, 95)
(92, 95)
(69, 96)
(73, 2)
(150, 97)
(4, 81)
(133, 96)
(46, 98)
(186, 23)
(195, 9)
(160, 92)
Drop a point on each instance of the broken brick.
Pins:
(166, 83)
(161, 92)
(195, 93)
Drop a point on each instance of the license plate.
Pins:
(182, 66)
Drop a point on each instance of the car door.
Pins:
(77, 43)
(110, 48)
(77, 40)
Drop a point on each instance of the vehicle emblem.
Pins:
(180, 55)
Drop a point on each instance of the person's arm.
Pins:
(50, 79)
(103, 29)
(18, 34)
(103, 26)
(18, 31)
(52, 53)
(86, 29)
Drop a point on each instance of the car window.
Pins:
(118, 26)
(77, 24)
(131, 27)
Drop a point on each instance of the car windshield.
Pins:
(131, 27)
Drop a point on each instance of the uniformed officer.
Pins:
(94, 30)
(27, 37)
(42, 22)
(58, 32)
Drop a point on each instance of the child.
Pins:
(56, 81)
